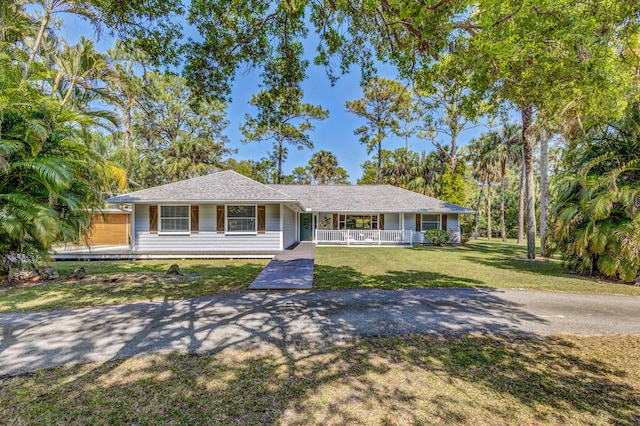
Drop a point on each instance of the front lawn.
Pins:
(401, 380)
(110, 282)
(482, 264)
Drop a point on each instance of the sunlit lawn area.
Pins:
(488, 264)
(482, 264)
(407, 380)
(111, 282)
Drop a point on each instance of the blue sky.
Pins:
(334, 134)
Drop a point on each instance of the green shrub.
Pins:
(466, 230)
(437, 237)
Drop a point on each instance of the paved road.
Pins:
(38, 340)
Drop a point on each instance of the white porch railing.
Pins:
(363, 237)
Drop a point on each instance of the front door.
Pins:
(306, 227)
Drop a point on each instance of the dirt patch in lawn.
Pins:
(108, 280)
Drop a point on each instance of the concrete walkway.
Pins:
(31, 341)
(289, 270)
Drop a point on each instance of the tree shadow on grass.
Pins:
(330, 357)
(345, 277)
(377, 380)
(538, 266)
(97, 289)
(509, 257)
(487, 248)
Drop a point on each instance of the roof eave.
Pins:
(194, 201)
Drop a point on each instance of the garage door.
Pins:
(109, 229)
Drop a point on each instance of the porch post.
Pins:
(281, 226)
(132, 225)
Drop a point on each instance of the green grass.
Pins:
(406, 380)
(482, 264)
(136, 281)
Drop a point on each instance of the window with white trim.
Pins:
(174, 219)
(242, 219)
(350, 221)
(431, 221)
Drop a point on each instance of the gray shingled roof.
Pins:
(365, 198)
(221, 186)
(231, 186)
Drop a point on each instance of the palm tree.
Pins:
(595, 221)
(505, 148)
(49, 177)
(424, 175)
(322, 166)
(397, 171)
(125, 87)
(50, 8)
(483, 170)
(80, 69)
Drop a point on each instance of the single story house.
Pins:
(228, 212)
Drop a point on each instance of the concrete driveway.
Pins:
(40, 340)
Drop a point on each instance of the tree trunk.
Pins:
(544, 190)
(488, 210)
(453, 153)
(46, 15)
(127, 138)
(503, 183)
(523, 175)
(279, 176)
(478, 209)
(527, 119)
(379, 179)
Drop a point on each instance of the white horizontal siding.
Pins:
(207, 218)
(142, 218)
(289, 226)
(453, 223)
(392, 221)
(207, 242)
(207, 239)
(272, 213)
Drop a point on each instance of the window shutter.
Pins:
(418, 219)
(153, 219)
(444, 222)
(220, 219)
(195, 219)
(262, 216)
(381, 222)
(335, 221)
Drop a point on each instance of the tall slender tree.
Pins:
(515, 59)
(382, 101)
(505, 149)
(283, 118)
(177, 137)
(125, 87)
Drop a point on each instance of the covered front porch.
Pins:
(374, 228)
